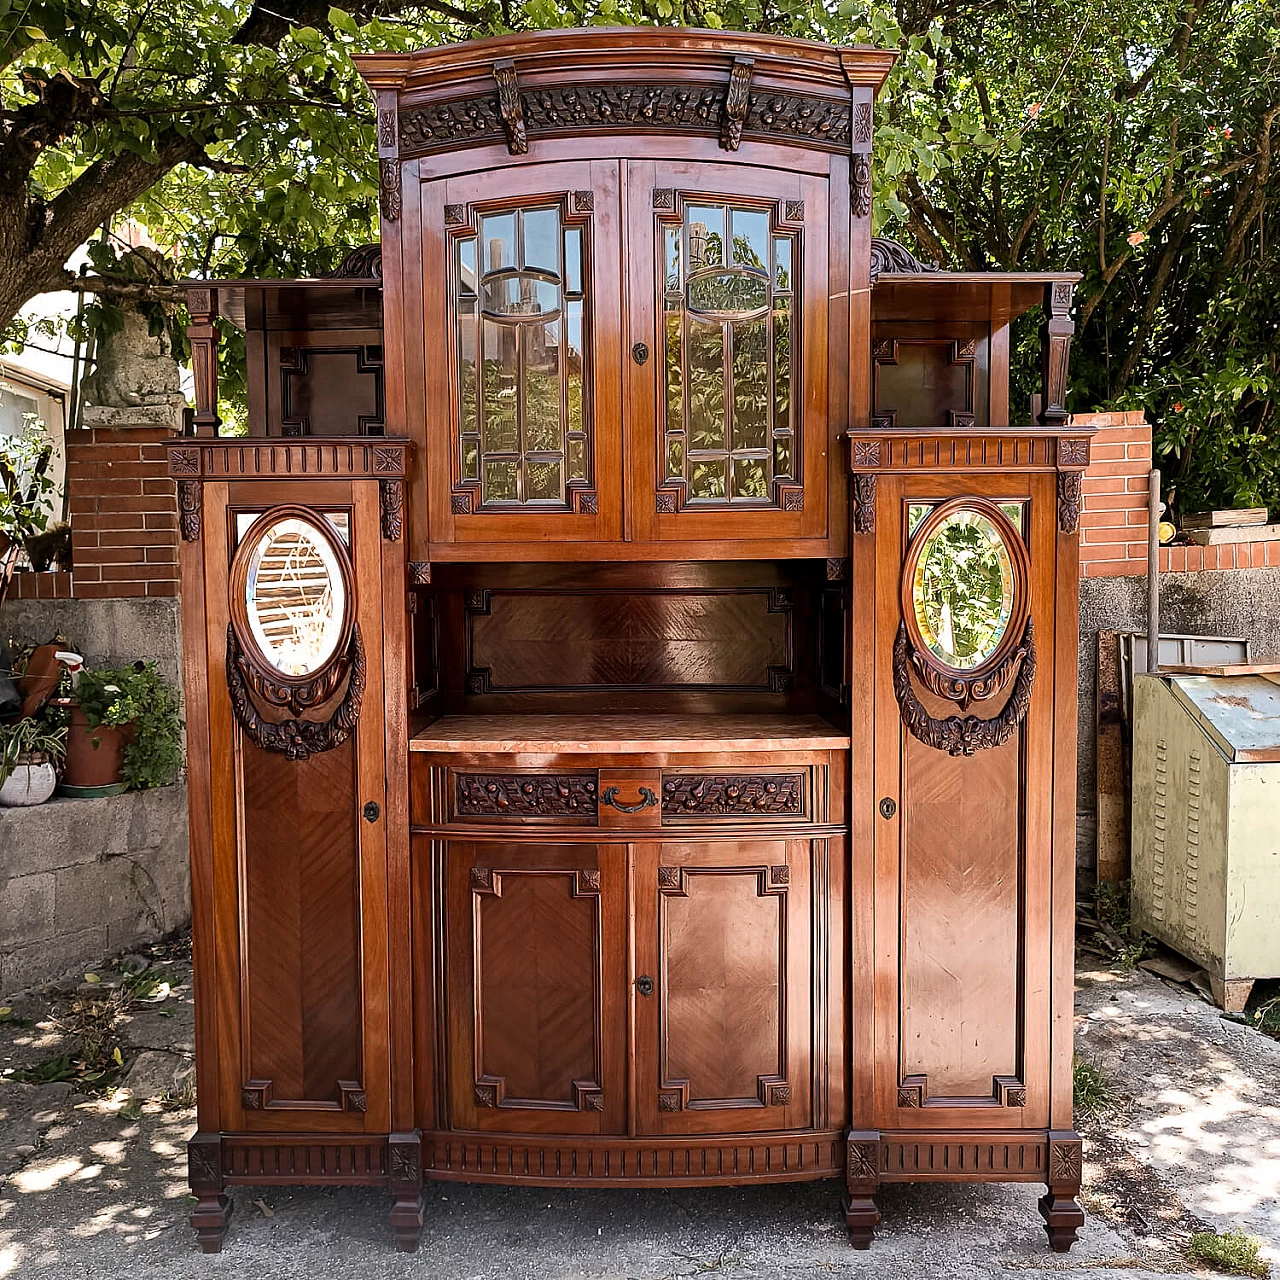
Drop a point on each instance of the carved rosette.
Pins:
(732, 795)
(204, 1162)
(296, 739)
(420, 573)
(1066, 1160)
(862, 1160)
(964, 735)
(515, 795)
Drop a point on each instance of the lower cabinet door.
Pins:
(535, 938)
(722, 1003)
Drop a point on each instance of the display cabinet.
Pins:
(631, 660)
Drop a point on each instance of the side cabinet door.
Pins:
(964, 656)
(723, 986)
(534, 938)
(519, 293)
(298, 765)
(732, 290)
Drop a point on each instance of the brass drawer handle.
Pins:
(609, 796)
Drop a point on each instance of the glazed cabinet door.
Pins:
(730, 435)
(520, 289)
(964, 658)
(535, 938)
(299, 761)
(722, 989)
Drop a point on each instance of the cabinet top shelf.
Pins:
(624, 734)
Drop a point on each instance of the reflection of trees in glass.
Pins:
(961, 591)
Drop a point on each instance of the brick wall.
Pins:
(53, 584)
(1113, 520)
(124, 512)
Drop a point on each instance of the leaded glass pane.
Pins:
(725, 283)
(522, 352)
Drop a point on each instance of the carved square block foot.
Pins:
(209, 1220)
(1063, 1217)
(862, 1218)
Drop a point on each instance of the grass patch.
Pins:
(1092, 1093)
(1233, 1252)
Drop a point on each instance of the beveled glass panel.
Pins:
(467, 265)
(783, 463)
(671, 257)
(750, 478)
(782, 263)
(706, 236)
(471, 459)
(573, 260)
(916, 512)
(577, 459)
(542, 424)
(542, 239)
(1014, 511)
(751, 384)
(675, 457)
(706, 478)
(520, 295)
(543, 483)
(500, 480)
(498, 242)
(468, 403)
(574, 356)
(750, 239)
(501, 387)
(673, 374)
(295, 598)
(729, 293)
(782, 364)
(706, 387)
(962, 595)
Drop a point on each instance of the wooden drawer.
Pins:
(615, 795)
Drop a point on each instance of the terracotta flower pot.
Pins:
(94, 756)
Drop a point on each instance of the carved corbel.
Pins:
(504, 72)
(391, 503)
(389, 189)
(860, 184)
(864, 503)
(736, 101)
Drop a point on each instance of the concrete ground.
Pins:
(96, 1187)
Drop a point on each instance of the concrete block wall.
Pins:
(83, 879)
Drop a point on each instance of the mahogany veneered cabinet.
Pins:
(631, 660)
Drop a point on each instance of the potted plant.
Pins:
(29, 752)
(124, 731)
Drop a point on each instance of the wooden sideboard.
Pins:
(631, 661)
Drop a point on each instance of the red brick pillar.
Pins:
(1113, 520)
(123, 506)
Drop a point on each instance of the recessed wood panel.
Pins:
(961, 946)
(533, 641)
(537, 947)
(301, 920)
(723, 985)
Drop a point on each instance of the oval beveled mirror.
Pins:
(964, 594)
(296, 597)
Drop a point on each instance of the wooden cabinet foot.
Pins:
(862, 1218)
(404, 1168)
(1063, 1217)
(212, 1213)
(209, 1220)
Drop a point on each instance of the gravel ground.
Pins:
(93, 1187)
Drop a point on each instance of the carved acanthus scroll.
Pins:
(964, 735)
(296, 739)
